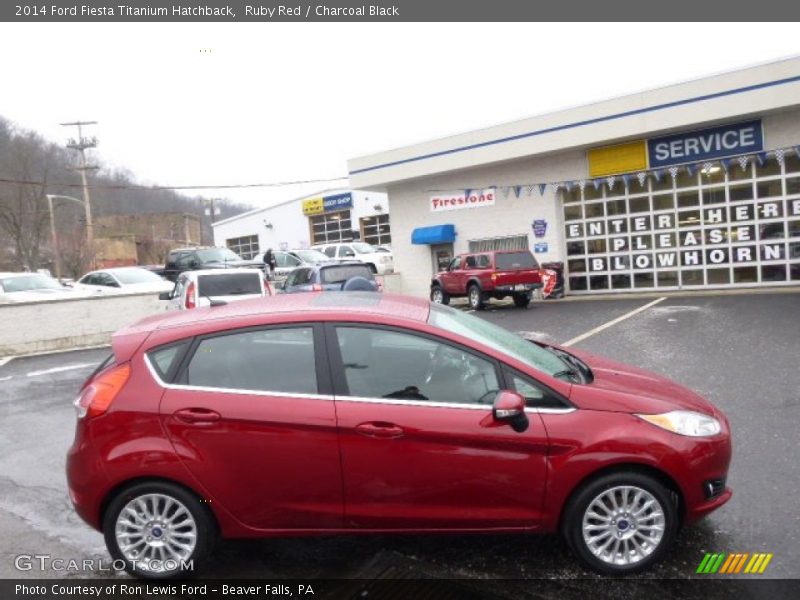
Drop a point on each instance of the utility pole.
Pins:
(54, 237)
(212, 211)
(81, 144)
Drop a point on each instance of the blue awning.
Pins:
(436, 234)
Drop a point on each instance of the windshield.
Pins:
(510, 261)
(496, 337)
(210, 255)
(25, 283)
(311, 256)
(363, 248)
(229, 284)
(345, 272)
(129, 276)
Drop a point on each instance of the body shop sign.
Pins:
(706, 144)
(456, 200)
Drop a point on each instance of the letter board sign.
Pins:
(706, 144)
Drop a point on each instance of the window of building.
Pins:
(331, 227)
(709, 228)
(514, 242)
(375, 230)
(246, 247)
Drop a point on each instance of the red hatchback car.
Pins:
(300, 415)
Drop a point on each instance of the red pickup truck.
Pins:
(483, 275)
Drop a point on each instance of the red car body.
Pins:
(305, 464)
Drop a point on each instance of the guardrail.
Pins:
(48, 325)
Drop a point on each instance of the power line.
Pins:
(146, 188)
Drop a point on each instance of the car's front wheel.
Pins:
(439, 296)
(475, 297)
(159, 530)
(621, 523)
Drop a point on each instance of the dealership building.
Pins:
(690, 186)
(337, 215)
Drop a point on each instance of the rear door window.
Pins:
(511, 261)
(165, 359)
(229, 284)
(268, 360)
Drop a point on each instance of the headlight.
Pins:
(685, 422)
(386, 259)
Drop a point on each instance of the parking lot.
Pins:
(739, 350)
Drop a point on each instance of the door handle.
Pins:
(197, 416)
(379, 429)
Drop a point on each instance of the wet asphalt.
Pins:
(742, 351)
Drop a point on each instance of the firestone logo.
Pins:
(466, 199)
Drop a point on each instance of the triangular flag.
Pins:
(597, 183)
(626, 179)
(542, 188)
(611, 181)
(779, 156)
(582, 184)
(555, 187)
(505, 189)
(642, 177)
(467, 192)
(674, 172)
(568, 185)
(726, 163)
(797, 150)
(657, 175)
(517, 189)
(529, 189)
(691, 170)
(707, 167)
(762, 158)
(743, 160)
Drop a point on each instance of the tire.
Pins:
(632, 491)
(475, 297)
(522, 300)
(182, 514)
(439, 296)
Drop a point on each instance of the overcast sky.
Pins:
(195, 104)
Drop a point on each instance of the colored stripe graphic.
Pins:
(722, 563)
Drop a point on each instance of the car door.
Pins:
(420, 449)
(450, 277)
(251, 416)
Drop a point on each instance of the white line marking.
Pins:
(6, 359)
(611, 323)
(6, 378)
(59, 369)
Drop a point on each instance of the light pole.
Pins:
(54, 238)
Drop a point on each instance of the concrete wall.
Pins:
(31, 327)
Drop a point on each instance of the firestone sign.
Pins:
(706, 144)
(457, 200)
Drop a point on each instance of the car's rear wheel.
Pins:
(522, 300)
(159, 530)
(621, 523)
(439, 296)
(475, 296)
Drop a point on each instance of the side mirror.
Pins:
(165, 296)
(509, 407)
(194, 264)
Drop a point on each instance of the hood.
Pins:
(618, 387)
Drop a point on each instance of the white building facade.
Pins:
(691, 186)
(336, 215)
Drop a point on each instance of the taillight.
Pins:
(191, 299)
(316, 287)
(96, 397)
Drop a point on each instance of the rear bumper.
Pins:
(529, 287)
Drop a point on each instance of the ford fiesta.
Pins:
(300, 415)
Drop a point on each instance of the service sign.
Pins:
(313, 206)
(706, 144)
(457, 200)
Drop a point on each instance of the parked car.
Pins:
(324, 413)
(331, 277)
(27, 287)
(215, 287)
(483, 275)
(123, 279)
(200, 257)
(288, 260)
(381, 263)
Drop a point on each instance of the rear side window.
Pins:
(269, 360)
(165, 359)
(345, 272)
(229, 284)
(509, 261)
(330, 251)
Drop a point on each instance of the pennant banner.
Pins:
(642, 177)
(691, 170)
(529, 189)
(761, 157)
(674, 172)
(597, 183)
(517, 190)
(611, 181)
(743, 160)
(726, 163)
(626, 180)
(582, 184)
(779, 156)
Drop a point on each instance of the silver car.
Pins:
(213, 287)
